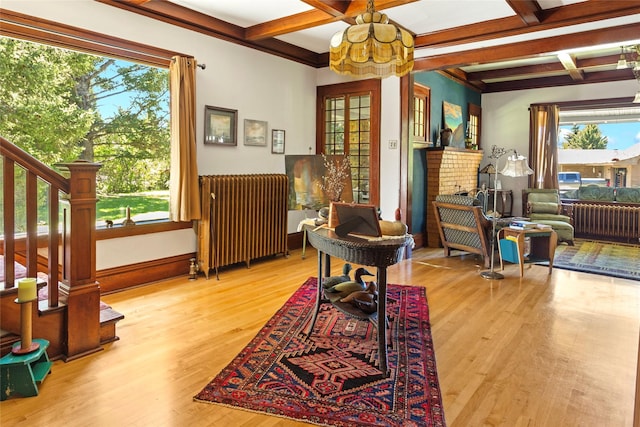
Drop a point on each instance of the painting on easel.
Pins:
(306, 174)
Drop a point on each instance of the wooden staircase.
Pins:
(70, 318)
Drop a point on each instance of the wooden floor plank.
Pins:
(534, 351)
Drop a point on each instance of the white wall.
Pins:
(505, 119)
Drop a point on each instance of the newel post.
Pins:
(79, 260)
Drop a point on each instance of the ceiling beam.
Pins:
(527, 49)
(527, 10)
(555, 81)
(573, 14)
(546, 68)
(569, 64)
(315, 17)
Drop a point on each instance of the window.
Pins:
(133, 75)
(473, 126)
(348, 124)
(421, 113)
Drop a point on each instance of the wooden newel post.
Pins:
(79, 265)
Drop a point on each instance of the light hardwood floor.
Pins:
(558, 350)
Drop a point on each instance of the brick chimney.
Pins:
(449, 170)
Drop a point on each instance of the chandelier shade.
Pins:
(372, 47)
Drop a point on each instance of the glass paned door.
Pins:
(348, 118)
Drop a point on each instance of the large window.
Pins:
(103, 99)
(349, 125)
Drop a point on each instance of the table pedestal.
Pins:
(376, 253)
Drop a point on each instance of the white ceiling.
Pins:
(419, 17)
(458, 36)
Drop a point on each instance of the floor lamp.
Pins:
(516, 166)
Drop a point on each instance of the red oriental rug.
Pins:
(331, 378)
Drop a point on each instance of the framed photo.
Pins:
(220, 126)
(277, 141)
(255, 132)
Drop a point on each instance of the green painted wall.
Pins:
(442, 89)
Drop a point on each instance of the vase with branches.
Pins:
(337, 172)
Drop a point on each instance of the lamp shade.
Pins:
(372, 47)
(516, 166)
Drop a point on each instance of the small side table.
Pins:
(21, 374)
(543, 246)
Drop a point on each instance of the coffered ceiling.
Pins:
(495, 45)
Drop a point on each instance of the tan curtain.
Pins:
(184, 197)
(543, 145)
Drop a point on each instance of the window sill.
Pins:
(139, 229)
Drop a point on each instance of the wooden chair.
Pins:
(463, 226)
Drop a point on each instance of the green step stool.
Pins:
(20, 374)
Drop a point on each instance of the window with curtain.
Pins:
(121, 61)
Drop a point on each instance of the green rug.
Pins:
(609, 259)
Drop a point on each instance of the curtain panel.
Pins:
(184, 191)
(543, 145)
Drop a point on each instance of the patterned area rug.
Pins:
(332, 378)
(610, 259)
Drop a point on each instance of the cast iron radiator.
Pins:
(244, 217)
(618, 222)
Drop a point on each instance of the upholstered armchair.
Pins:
(544, 206)
(462, 225)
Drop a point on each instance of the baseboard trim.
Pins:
(132, 275)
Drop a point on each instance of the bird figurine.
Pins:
(334, 280)
(369, 294)
(341, 290)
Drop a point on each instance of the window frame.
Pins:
(24, 27)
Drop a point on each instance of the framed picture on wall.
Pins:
(220, 126)
(255, 132)
(277, 141)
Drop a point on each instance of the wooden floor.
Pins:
(558, 350)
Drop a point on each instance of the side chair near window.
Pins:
(462, 225)
(544, 206)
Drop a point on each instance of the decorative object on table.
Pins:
(277, 141)
(220, 126)
(516, 166)
(328, 282)
(360, 219)
(255, 132)
(372, 47)
(337, 171)
(283, 373)
(342, 290)
(27, 294)
(366, 300)
(128, 221)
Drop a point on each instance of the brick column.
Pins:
(449, 170)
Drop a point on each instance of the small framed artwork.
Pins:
(255, 132)
(220, 126)
(277, 141)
